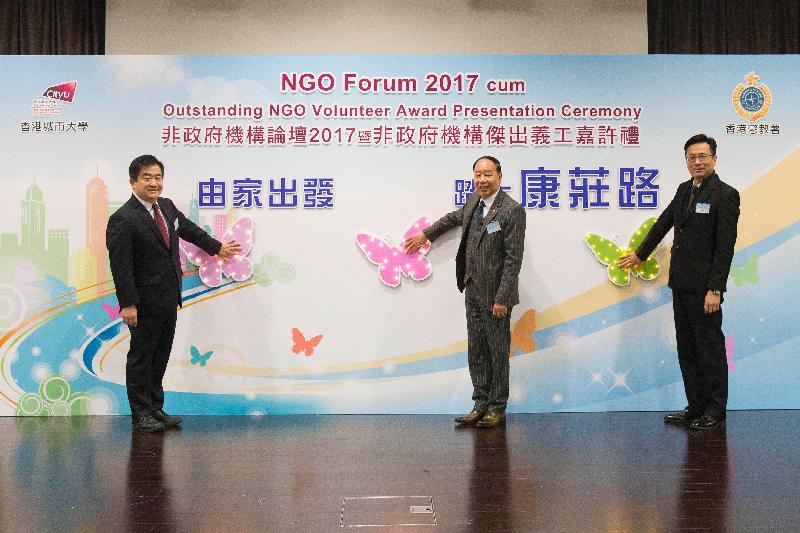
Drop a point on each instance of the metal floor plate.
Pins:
(381, 511)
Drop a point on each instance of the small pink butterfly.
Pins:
(393, 261)
(112, 312)
(237, 268)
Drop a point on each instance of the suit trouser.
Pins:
(701, 353)
(488, 345)
(151, 344)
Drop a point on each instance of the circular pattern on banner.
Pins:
(81, 405)
(12, 306)
(69, 369)
(54, 389)
(40, 372)
(59, 409)
(29, 405)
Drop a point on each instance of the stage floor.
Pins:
(543, 472)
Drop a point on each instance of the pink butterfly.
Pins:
(238, 268)
(112, 312)
(393, 261)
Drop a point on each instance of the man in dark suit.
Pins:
(142, 241)
(487, 271)
(704, 213)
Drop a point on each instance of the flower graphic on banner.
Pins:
(55, 398)
(609, 254)
(393, 261)
(238, 268)
(272, 269)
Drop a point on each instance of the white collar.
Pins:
(489, 201)
(147, 205)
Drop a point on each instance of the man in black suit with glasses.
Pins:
(704, 213)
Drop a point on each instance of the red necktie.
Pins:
(162, 226)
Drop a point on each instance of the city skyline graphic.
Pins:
(37, 260)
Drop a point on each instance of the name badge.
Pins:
(702, 208)
(493, 226)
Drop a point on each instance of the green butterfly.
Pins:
(747, 273)
(609, 254)
(198, 358)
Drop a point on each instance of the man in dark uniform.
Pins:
(704, 213)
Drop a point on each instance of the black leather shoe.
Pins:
(681, 417)
(470, 418)
(148, 423)
(167, 420)
(707, 422)
(492, 419)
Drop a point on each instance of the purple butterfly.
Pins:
(393, 261)
(238, 268)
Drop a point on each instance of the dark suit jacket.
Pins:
(702, 249)
(499, 254)
(147, 273)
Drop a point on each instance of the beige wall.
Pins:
(376, 27)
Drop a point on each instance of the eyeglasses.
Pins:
(698, 157)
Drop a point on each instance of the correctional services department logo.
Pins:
(752, 99)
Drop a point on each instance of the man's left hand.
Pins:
(711, 304)
(499, 310)
(229, 249)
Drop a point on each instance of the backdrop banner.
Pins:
(320, 165)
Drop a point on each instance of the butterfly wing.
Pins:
(648, 270)
(388, 258)
(738, 276)
(750, 269)
(239, 267)
(112, 312)
(609, 254)
(746, 273)
(420, 225)
(209, 267)
(416, 265)
(205, 357)
(730, 348)
(522, 333)
(640, 234)
(298, 339)
(312, 343)
(195, 355)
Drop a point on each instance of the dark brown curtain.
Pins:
(50, 27)
(723, 26)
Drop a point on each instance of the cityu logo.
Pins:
(62, 91)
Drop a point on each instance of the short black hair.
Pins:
(701, 138)
(143, 161)
(490, 158)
